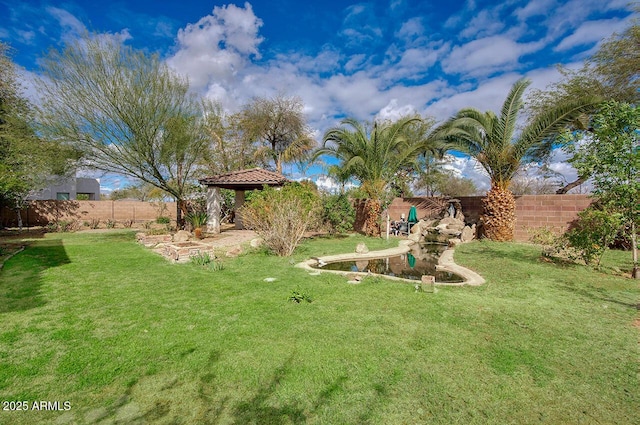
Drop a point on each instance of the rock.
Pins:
(362, 265)
(453, 242)
(354, 278)
(450, 220)
(450, 232)
(256, 242)
(362, 248)
(234, 251)
(181, 236)
(456, 226)
(468, 233)
(415, 237)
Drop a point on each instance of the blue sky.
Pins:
(361, 59)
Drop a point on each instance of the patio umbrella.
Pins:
(413, 215)
(411, 260)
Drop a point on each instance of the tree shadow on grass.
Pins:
(258, 410)
(599, 295)
(20, 281)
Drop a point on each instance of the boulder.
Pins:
(468, 233)
(181, 236)
(362, 248)
(256, 242)
(234, 251)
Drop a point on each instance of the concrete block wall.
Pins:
(40, 213)
(555, 212)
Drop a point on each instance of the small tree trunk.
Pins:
(181, 211)
(634, 247)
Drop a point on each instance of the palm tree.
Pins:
(492, 141)
(372, 155)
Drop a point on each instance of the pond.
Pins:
(411, 265)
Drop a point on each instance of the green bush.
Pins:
(163, 220)
(338, 213)
(282, 216)
(593, 232)
(197, 219)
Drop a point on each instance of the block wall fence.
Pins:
(532, 211)
(39, 213)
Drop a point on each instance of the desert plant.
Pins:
(110, 224)
(127, 224)
(63, 226)
(201, 259)
(163, 220)
(94, 223)
(281, 217)
(197, 219)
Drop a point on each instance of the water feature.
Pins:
(422, 260)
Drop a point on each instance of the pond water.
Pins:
(411, 265)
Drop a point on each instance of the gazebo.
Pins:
(240, 181)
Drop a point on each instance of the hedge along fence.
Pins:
(555, 212)
(40, 213)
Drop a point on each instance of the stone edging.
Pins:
(445, 263)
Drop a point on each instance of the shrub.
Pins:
(542, 236)
(593, 232)
(63, 226)
(197, 219)
(163, 220)
(281, 217)
(201, 259)
(110, 224)
(127, 224)
(338, 213)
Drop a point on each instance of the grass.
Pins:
(126, 337)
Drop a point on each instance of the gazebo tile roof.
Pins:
(254, 177)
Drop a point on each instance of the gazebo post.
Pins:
(239, 202)
(213, 209)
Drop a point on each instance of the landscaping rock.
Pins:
(256, 242)
(182, 236)
(362, 248)
(468, 233)
(234, 251)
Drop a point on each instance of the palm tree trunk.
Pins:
(499, 214)
(372, 217)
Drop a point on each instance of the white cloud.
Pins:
(218, 46)
(590, 32)
(487, 55)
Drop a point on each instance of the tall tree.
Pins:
(612, 158)
(27, 162)
(278, 124)
(231, 148)
(492, 140)
(372, 155)
(126, 110)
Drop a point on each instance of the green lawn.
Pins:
(126, 337)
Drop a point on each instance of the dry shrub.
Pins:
(282, 216)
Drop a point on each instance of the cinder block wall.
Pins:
(532, 211)
(40, 213)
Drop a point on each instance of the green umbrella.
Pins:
(411, 260)
(413, 215)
